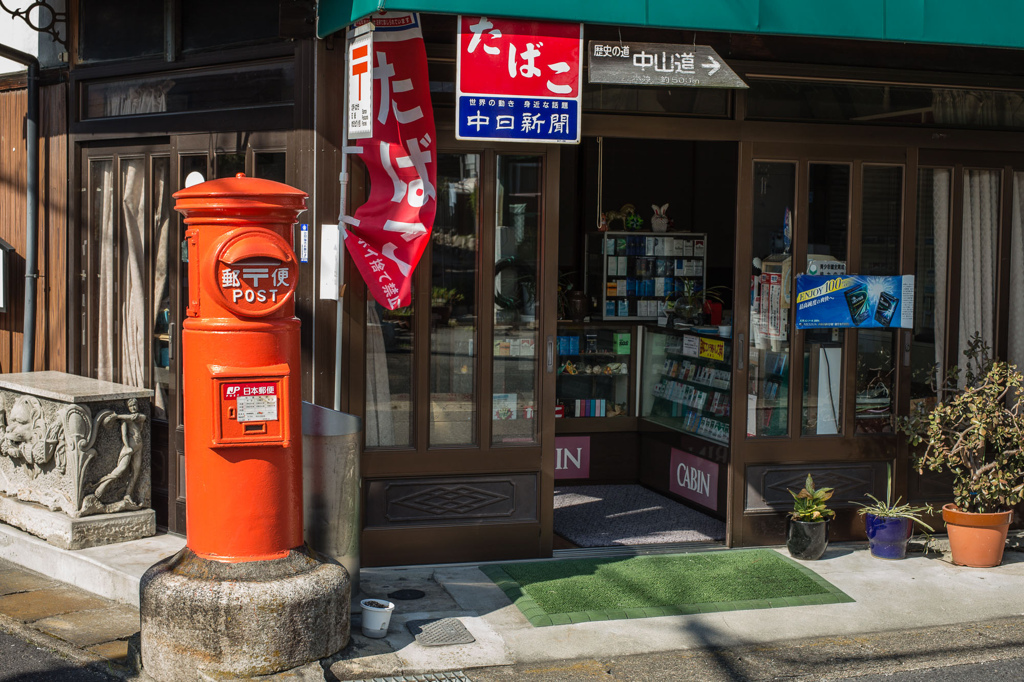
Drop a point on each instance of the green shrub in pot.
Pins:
(976, 432)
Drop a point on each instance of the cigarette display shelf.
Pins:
(594, 372)
(687, 382)
(633, 274)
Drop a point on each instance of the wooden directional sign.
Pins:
(659, 64)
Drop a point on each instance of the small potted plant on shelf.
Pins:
(976, 432)
(442, 301)
(889, 525)
(807, 532)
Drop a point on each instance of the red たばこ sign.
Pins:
(518, 80)
(388, 234)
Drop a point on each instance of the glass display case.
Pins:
(687, 381)
(594, 371)
(633, 274)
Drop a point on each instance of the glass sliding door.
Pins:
(927, 349)
(516, 343)
(768, 377)
(881, 229)
(828, 228)
(454, 339)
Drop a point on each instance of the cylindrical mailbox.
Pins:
(240, 364)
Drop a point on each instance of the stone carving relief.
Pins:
(24, 437)
(62, 451)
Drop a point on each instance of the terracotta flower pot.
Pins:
(976, 540)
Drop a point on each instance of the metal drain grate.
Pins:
(456, 676)
(440, 632)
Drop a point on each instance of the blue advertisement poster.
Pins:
(859, 301)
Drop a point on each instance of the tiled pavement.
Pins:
(78, 624)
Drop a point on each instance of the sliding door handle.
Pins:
(550, 354)
(739, 352)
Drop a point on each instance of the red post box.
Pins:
(245, 597)
(240, 352)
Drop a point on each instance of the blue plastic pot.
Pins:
(887, 536)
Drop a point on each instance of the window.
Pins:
(126, 29)
(884, 104)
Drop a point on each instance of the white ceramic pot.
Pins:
(376, 617)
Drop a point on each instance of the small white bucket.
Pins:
(376, 617)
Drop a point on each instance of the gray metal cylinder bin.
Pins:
(331, 485)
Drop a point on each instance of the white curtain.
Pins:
(940, 232)
(1016, 331)
(135, 328)
(977, 108)
(126, 100)
(102, 184)
(380, 425)
(978, 257)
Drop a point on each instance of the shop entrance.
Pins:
(458, 387)
(642, 444)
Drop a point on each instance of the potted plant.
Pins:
(690, 306)
(442, 300)
(976, 432)
(807, 532)
(889, 525)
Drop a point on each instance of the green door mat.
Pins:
(579, 590)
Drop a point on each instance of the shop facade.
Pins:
(882, 170)
(483, 398)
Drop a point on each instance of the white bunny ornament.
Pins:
(660, 221)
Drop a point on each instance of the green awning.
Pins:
(983, 23)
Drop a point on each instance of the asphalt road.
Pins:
(22, 661)
(1008, 670)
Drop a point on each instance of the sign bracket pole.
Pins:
(343, 179)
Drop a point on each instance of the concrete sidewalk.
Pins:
(920, 592)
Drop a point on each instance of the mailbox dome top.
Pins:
(240, 201)
(239, 186)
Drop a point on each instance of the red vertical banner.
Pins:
(388, 234)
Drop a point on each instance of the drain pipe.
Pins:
(31, 210)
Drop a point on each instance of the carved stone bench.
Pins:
(75, 459)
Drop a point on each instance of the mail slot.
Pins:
(251, 410)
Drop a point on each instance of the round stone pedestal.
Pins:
(245, 619)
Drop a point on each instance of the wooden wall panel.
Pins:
(51, 296)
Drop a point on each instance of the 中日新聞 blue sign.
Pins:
(516, 118)
(859, 301)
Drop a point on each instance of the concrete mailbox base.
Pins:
(204, 618)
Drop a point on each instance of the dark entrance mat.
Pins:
(623, 515)
(574, 591)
